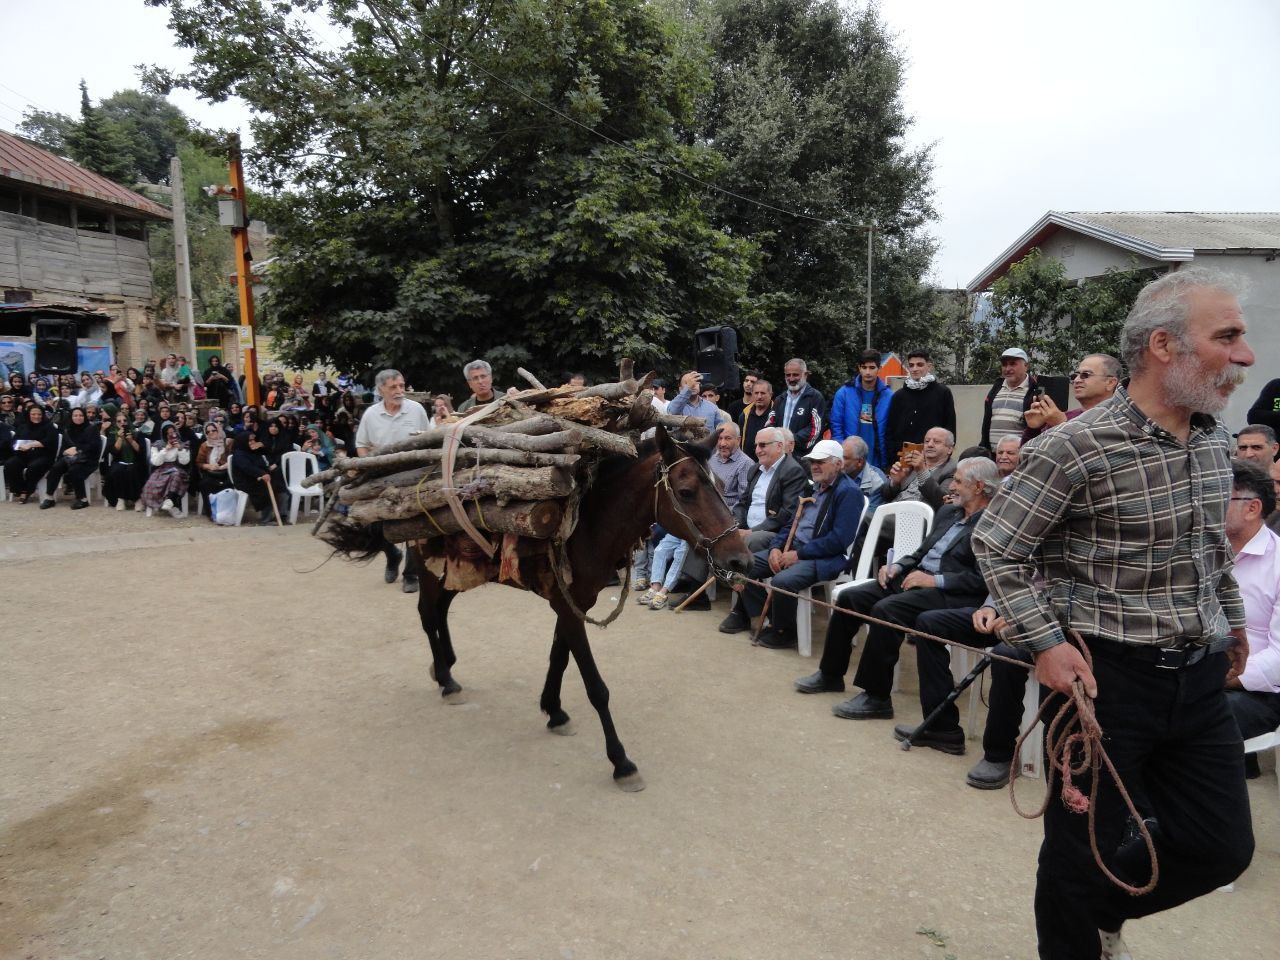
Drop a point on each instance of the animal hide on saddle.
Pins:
(459, 563)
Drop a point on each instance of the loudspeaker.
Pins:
(55, 346)
(715, 355)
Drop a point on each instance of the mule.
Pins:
(667, 482)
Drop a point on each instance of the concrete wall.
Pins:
(1086, 257)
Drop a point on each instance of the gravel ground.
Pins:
(211, 748)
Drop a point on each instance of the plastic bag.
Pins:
(224, 507)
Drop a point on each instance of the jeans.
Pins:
(668, 558)
(1175, 746)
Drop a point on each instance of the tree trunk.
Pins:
(431, 464)
(538, 519)
(503, 483)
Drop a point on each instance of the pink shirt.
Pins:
(1257, 571)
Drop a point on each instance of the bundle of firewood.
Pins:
(515, 462)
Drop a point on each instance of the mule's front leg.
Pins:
(433, 611)
(625, 773)
(557, 719)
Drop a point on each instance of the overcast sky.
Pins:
(1089, 105)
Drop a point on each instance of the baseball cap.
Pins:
(825, 450)
(1015, 353)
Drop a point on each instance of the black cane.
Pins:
(952, 697)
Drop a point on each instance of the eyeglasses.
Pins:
(1081, 375)
(1245, 498)
(766, 443)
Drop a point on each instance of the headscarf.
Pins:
(315, 433)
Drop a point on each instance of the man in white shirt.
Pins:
(1254, 696)
(391, 420)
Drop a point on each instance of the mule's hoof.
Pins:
(451, 693)
(631, 783)
(566, 729)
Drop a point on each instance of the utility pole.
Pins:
(237, 213)
(182, 255)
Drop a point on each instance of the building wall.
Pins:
(1086, 257)
(1261, 305)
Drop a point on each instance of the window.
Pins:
(51, 211)
(18, 296)
(10, 200)
(134, 229)
(97, 221)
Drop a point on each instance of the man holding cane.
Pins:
(1121, 513)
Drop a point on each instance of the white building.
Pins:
(1243, 244)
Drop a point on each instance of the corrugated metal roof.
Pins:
(1169, 236)
(22, 161)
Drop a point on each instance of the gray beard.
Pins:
(1186, 385)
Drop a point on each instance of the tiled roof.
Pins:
(20, 160)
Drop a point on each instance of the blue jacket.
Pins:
(865, 413)
(836, 528)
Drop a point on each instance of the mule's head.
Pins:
(689, 503)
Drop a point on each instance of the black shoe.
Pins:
(77, 505)
(864, 707)
(266, 520)
(948, 741)
(819, 682)
(735, 622)
(988, 774)
(699, 603)
(410, 584)
(393, 566)
(774, 639)
(46, 504)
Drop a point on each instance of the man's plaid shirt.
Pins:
(1124, 524)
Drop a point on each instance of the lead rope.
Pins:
(1075, 724)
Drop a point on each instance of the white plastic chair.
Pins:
(912, 523)
(1265, 741)
(95, 478)
(804, 609)
(296, 465)
(49, 491)
(1031, 761)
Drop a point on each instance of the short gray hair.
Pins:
(803, 366)
(951, 437)
(983, 471)
(730, 426)
(787, 435)
(1015, 437)
(1268, 434)
(858, 447)
(386, 375)
(476, 365)
(1162, 305)
(1110, 365)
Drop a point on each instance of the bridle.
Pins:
(662, 481)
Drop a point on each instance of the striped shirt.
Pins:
(1126, 525)
(1007, 410)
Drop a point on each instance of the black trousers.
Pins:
(1256, 713)
(1174, 742)
(75, 472)
(24, 470)
(875, 669)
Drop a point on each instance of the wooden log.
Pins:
(431, 466)
(538, 519)
(537, 384)
(504, 484)
(472, 436)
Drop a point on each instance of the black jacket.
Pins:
(1266, 409)
(959, 566)
(789, 484)
(806, 420)
(1027, 433)
(913, 413)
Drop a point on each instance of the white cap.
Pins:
(825, 450)
(1015, 353)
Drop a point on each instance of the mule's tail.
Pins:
(355, 541)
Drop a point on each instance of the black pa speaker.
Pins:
(55, 346)
(715, 354)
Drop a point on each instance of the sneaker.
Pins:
(137, 506)
(640, 583)
(120, 506)
(646, 598)
(167, 504)
(1113, 947)
(175, 512)
(659, 601)
(988, 775)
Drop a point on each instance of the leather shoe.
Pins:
(948, 741)
(393, 566)
(410, 584)
(819, 682)
(700, 602)
(772, 638)
(735, 622)
(988, 775)
(864, 707)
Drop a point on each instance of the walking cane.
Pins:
(696, 594)
(951, 697)
(275, 508)
(768, 597)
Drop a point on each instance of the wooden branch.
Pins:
(626, 368)
(537, 384)
(537, 519)
(431, 465)
(504, 484)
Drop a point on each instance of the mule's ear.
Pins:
(665, 445)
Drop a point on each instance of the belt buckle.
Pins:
(1171, 658)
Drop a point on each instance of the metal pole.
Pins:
(871, 233)
(182, 256)
(244, 277)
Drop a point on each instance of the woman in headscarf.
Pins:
(316, 442)
(169, 478)
(18, 386)
(81, 451)
(441, 409)
(275, 441)
(217, 383)
(142, 424)
(42, 394)
(125, 470)
(211, 462)
(235, 415)
(35, 444)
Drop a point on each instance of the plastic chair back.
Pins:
(912, 522)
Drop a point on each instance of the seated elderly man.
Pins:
(1007, 455)
(942, 573)
(927, 473)
(825, 529)
(869, 478)
(730, 465)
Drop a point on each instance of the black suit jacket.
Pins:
(959, 566)
(789, 484)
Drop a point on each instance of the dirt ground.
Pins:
(211, 749)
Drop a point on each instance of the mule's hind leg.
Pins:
(557, 719)
(625, 773)
(433, 611)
